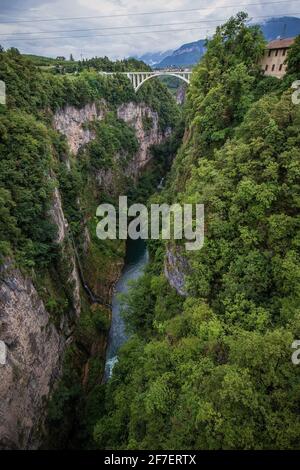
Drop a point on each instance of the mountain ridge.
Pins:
(190, 53)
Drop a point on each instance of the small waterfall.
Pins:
(161, 184)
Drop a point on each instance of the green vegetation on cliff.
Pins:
(213, 370)
(34, 161)
(31, 152)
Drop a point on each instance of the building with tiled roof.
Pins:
(274, 57)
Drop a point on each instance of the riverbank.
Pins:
(135, 261)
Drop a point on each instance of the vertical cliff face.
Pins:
(175, 268)
(34, 345)
(73, 123)
(70, 122)
(35, 340)
(76, 124)
(57, 216)
(145, 121)
(181, 95)
(34, 350)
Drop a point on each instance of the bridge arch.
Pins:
(139, 78)
(182, 76)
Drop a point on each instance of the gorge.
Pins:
(135, 261)
(196, 352)
(55, 319)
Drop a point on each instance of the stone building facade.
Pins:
(275, 55)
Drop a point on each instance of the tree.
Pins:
(293, 58)
(215, 371)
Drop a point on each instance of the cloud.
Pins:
(9, 7)
(116, 43)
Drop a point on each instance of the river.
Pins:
(135, 261)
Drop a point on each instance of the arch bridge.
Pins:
(139, 78)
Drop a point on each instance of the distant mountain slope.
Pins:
(285, 27)
(153, 58)
(189, 54)
(186, 55)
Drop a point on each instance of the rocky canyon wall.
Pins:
(73, 123)
(34, 343)
(33, 360)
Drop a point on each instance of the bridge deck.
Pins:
(139, 78)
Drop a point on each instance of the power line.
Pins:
(109, 27)
(104, 35)
(161, 12)
(101, 29)
(136, 32)
(122, 34)
(106, 28)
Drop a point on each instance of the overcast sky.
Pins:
(119, 43)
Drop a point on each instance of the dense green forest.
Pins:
(62, 65)
(213, 369)
(33, 164)
(33, 96)
(208, 370)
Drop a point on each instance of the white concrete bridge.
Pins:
(139, 78)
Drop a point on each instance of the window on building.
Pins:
(273, 67)
(276, 53)
(284, 52)
(270, 52)
(266, 67)
(280, 67)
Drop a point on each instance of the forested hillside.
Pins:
(208, 363)
(212, 369)
(51, 183)
(32, 98)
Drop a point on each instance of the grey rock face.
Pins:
(33, 356)
(33, 346)
(69, 121)
(133, 114)
(181, 94)
(58, 217)
(175, 269)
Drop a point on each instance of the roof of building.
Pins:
(280, 43)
